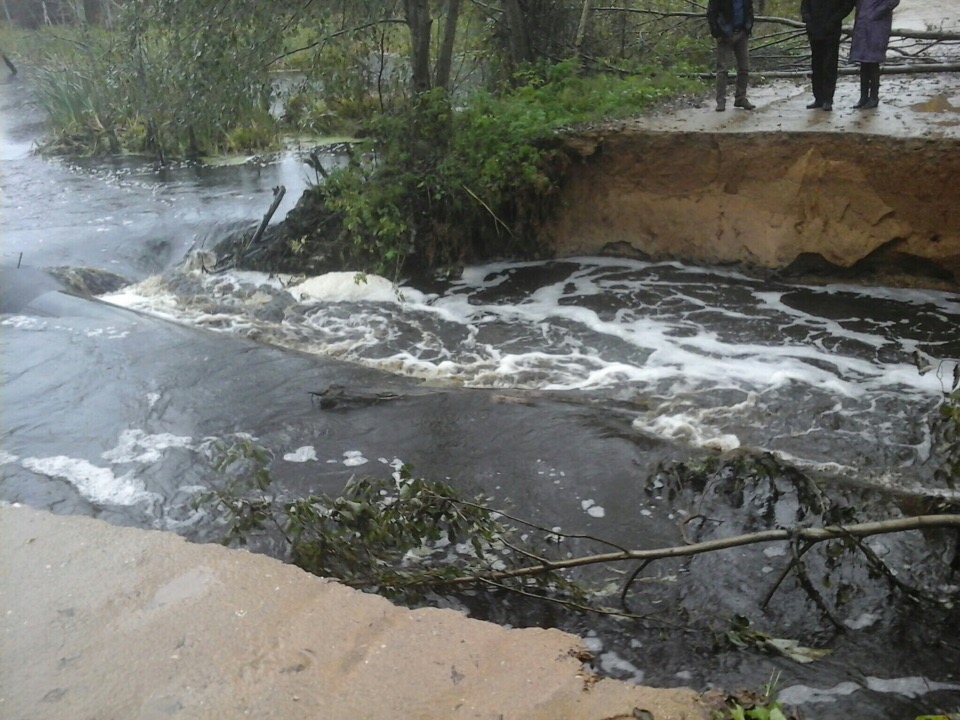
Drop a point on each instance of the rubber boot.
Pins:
(864, 86)
(874, 98)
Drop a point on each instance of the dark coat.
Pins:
(720, 17)
(824, 18)
(871, 30)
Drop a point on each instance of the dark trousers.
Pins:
(730, 49)
(825, 56)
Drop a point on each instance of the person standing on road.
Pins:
(731, 22)
(824, 21)
(871, 35)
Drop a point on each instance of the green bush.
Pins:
(451, 186)
(158, 85)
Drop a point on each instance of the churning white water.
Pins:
(840, 378)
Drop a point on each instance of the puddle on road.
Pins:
(942, 102)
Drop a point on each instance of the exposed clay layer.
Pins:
(766, 199)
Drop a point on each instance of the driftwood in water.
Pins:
(278, 192)
(336, 396)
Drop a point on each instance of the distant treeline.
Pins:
(31, 14)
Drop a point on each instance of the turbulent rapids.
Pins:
(826, 377)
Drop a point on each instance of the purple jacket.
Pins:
(871, 30)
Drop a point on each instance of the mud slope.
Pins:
(870, 204)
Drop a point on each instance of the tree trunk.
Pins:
(582, 28)
(79, 12)
(419, 22)
(517, 29)
(445, 57)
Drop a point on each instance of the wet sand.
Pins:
(911, 106)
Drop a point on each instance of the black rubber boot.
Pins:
(864, 86)
(874, 98)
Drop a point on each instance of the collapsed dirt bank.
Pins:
(846, 195)
(812, 202)
(849, 193)
(109, 622)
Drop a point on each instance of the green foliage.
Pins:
(764, 711)
(741, 636)
(379, 533)
(449, 186)
(162, 84)
(747, 705)
(80, 111)
(243, 495)
(385, 533)
(306, 112)
(945, 425)
(946, 439)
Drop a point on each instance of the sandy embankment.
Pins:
(872, 192)
(107, 622)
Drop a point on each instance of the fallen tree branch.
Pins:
(807, 584)
(788, 22)
(278, 192)
(913, 69)
(811, 535)
(332, 36)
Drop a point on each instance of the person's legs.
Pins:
(724, 58)
(874, 86)
(869, 86)
(741, 51)
(816, 74)
(830, 53)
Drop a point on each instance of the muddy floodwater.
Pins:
(645, 403)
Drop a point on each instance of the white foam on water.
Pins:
(99, 485)
(354, 458)
(945, 301)
(803, 694)
(137, 446)
(591, 508)
(346, 286)
(683, 426)
(6, 457)
(662, 332)
(151, 297)
(301, 454)
(863, 621)
(910, 687)
(108, 333)
(690, 360)
(613, 664)
(24, 322)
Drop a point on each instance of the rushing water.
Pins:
(566, 389)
